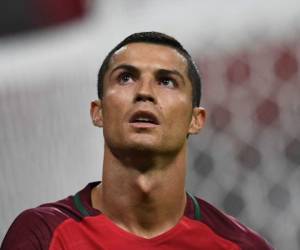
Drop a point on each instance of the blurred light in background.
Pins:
(252, 133)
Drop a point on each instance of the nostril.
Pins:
(144, 98)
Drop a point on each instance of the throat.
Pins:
(152, 211)
(144, 201)
(146, 185)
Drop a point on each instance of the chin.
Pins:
(142, 147)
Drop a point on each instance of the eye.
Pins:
(167, 82)
(125, 78)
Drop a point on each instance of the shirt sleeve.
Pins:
(29, 231)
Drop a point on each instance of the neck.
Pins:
(144, 201)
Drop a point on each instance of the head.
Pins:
(149, 94)
(161, 39)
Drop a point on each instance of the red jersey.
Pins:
(73, 223)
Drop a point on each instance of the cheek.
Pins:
(118, 95)
(180, 113)
(115, 104)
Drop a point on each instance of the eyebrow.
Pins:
(171, 72)
(128, 67)
(136, 71)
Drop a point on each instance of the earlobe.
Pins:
(198, 120)
(96, 113)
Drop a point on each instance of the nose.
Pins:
(145, 91)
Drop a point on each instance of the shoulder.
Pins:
(33, 228)
(230, 228)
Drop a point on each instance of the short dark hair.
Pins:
(161, 39)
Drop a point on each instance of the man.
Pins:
(149, 95)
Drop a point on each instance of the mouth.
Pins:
(144, 119)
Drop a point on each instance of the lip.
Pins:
(144, 114)
(143, 125)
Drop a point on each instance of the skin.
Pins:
(144, 167)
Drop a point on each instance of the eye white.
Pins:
(125, 78)
(167, 82)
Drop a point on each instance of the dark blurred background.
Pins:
(24, 16)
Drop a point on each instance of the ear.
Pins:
(96, 113)
(198, 120)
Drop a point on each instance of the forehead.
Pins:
(151, 55)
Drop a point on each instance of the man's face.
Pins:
(147, 100)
